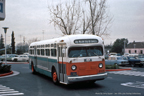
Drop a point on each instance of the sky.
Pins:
(29, 19)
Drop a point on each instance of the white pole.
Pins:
(5, 30)
(124, 46)
(5, 50)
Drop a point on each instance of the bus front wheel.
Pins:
(54, 77)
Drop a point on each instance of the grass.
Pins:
(112, 67)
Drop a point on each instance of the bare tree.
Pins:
(22, 48)
(32, 40)
(82, 16)
(66, 17)
(99, 19)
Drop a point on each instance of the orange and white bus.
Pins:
(69, 59)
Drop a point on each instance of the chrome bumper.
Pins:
(87, 78)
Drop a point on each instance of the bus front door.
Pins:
(61, 62)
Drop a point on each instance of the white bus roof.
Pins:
(68, 39)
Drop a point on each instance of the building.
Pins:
(135, 48)
(2, 10)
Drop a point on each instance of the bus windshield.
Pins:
(85, 51)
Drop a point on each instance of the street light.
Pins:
(5, 31)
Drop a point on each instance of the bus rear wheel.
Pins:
(33, 70)
(54, 77)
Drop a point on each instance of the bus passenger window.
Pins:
(42, 51)
(47, 52)
(51, 45)
(38, 52)
(53, 52)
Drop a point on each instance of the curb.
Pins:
(118, 69)
(5, 74)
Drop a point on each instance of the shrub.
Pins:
(112, 66)
(5, 68)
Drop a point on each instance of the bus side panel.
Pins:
(47, 73)
(44, 65)
(53, 63)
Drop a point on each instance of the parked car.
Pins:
(112, 54)
(20, 58)
(26, 54)
(126, 54)
(141, 58)
(2, 57)
(112, 60)
(133, 61)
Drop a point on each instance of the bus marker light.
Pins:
(71, 61)
(62, 41)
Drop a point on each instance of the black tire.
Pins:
(141, 65)
(15, 60)
(92, 82)
(132, 64)
(54, 76)
(33, 69)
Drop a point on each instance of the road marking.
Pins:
(6, 91)
(136, 84)
(14, 73)
(130, 73)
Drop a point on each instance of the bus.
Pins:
(69, 59)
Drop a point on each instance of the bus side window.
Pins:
(38, 51)
(47, 52)
(42, 51)
(53, 52)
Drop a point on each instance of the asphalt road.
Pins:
(24, 83)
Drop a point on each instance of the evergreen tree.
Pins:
(119, 45)
(13, 43)
(1, 42)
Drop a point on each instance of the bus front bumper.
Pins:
(87, 78)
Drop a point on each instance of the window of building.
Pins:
(141, 51)
(130, 51)
(135, 51)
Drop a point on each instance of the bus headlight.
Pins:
(100, 65)
(73, 67)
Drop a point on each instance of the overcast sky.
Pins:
(29, 18)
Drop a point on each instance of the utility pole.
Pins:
(43, 34)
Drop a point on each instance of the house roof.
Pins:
(135, 45)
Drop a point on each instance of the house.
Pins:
(135, 48)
